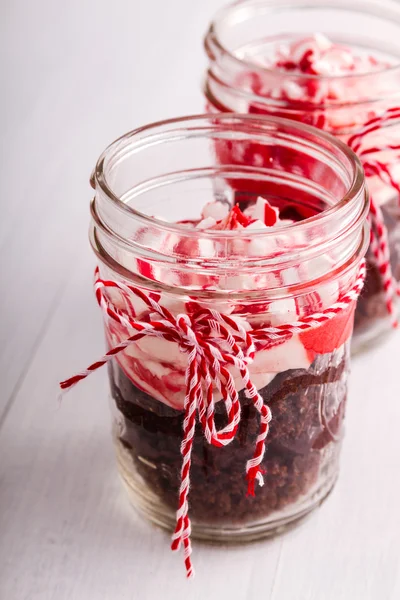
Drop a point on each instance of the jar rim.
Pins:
(212, 42)
(99, 177)
(236, 295)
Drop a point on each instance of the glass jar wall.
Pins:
(187, 256)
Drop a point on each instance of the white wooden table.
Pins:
(78, 74)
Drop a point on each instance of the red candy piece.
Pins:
(330, 335)
(233, 220)
(270, 215)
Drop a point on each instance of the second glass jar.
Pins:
(337, 68)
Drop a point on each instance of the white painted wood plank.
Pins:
(77, 75)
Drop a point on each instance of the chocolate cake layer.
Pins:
(307, 408)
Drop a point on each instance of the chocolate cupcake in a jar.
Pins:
(335, 66)
(228, 325)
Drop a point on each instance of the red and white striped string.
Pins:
(379, 245)
(214, 342)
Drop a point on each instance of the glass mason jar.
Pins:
(151, 187)
(261, 62)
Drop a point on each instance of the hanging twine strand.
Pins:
(214, 342)
(379, 244)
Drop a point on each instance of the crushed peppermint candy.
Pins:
(325, 63)
(263, 211)
(260, 215)
(317, 55)
(216, 210)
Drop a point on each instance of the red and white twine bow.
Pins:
(379, 244)
(214, 342)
